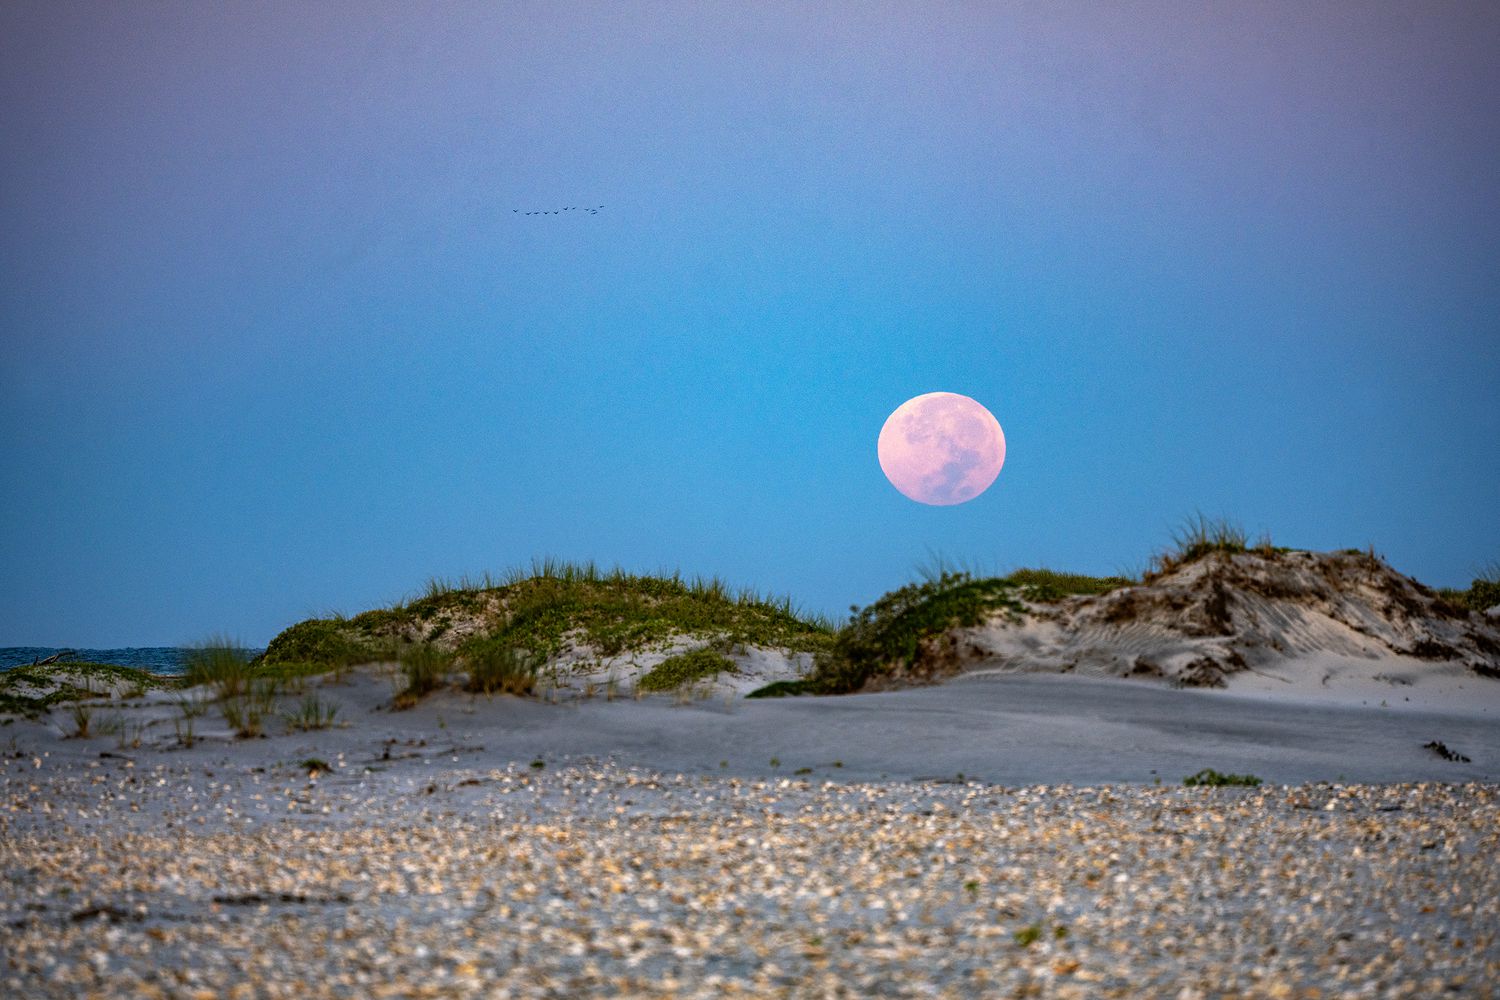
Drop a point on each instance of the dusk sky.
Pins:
(276, 337)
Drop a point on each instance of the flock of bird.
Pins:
(556, 211)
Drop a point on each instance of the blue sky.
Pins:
(274, 342)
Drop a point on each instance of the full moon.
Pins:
(941, 448)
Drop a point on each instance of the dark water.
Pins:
(157, 659)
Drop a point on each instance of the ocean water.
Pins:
(157, 659)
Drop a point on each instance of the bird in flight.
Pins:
(559, 211)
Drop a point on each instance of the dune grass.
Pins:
(498, 668)
(1198, 536)
(424, 669)
(312, 713)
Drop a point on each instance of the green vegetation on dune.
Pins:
(1046, 585)
(685, 668)
(321, 640)
(888, 635)
(1483, 592)
(33, 690)
(616, 613)
(554, 605)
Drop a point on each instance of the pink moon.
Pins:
(941, 448)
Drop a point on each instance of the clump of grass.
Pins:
(246, 712)
(496, 667)
(1028, 935)
(1199, 536)
(219, 663)
(1209, 778)
(425, 668)
(83, 716)
(685, 668)
(315, 766)
(311, 713)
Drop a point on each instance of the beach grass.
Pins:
(424, 668)
(312, 713)
(495, 667)
(1198, 536)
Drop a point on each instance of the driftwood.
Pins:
(51, 659)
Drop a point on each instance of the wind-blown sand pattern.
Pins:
(1300, 617)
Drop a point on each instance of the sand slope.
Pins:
(1306, 620)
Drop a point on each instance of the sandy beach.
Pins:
(993, 836)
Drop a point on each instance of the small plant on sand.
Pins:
(1209, 778)
(495, 667)
(315, 766)
(674, 672)
(131, 735)
(246, 713)
(311, 713)
(424, 669)
(183, 725)
(1028, 935)
(83, 716)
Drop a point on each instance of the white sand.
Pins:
(1007, 729)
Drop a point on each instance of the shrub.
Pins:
(318, 640)
(888, 634)
(675, 671)
(497, 667)
(1210, 778)
(1484, 592)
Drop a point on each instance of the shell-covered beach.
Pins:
(439, 879)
